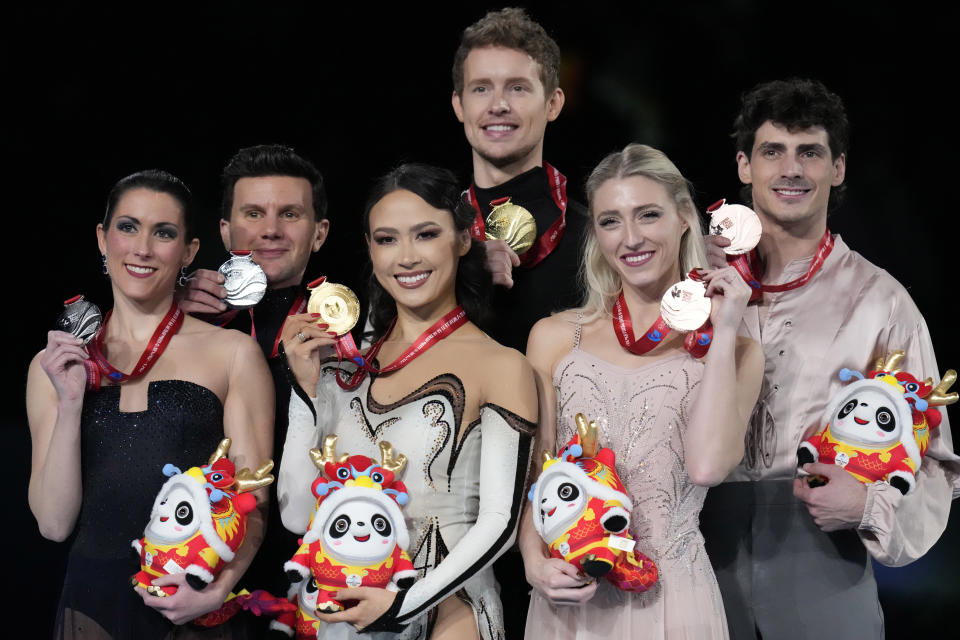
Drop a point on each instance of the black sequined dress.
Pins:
(122, 455)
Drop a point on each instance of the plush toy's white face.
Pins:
(176, 519)
(307, 597)
(866, 416)
(561, 501)
(359, 533)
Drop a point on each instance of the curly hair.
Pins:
(440, 189)
(797, 104)
(510, 28)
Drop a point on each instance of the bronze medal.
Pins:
(511, 223)
(684, 306)
(337, 305)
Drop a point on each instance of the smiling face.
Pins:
(274, 217)
(144, 244)
(504, 108)
(562, 499)
(791, 174)
(638, 231)
(176, 517)
(415, 250)
(359, 532)
(866, 416)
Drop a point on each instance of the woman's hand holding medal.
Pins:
(304, 338)
(333, 310)
(62, 361)
(729, 296)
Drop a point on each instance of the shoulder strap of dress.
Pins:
(576, 334)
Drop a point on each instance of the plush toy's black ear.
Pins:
(900, 484)
(615, 524)
(196, 582)
(405, 583)
(804, 457)
(592, 566)
(294, 576)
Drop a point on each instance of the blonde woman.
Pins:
(675, 419)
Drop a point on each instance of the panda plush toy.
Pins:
(582, 511)
(877, 428)
(357, 535)
(198, 521)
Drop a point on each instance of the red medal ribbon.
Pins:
(440, 329)
(746, 264)
(547, 241)
(299, 306)
(697, 342)
(158, 343)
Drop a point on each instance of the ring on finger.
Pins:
(300, 336)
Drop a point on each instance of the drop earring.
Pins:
(103, 259)
(182, 280)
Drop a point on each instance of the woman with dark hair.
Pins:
(458, 405)
(675, 417)
(101, 436)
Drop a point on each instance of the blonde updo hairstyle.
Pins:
(601, 282)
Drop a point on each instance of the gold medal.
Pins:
(513, 224)
(337, 305)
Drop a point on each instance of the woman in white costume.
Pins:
(459, 406)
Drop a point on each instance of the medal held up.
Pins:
(338, 308)
(244, 280)
(511, 223)
(80, 318)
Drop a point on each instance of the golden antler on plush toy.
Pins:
(878, 427)
(582, 512)
(357, 535)
(198, 521)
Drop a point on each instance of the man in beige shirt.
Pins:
(794, 561)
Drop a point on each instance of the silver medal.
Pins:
(80, 318)
(245, 281)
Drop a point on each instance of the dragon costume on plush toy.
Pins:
(357, 535)
(582, 512)
(878, 427)
(198, 521)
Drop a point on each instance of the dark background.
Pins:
(93, 94)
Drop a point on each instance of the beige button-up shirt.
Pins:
(848, 315)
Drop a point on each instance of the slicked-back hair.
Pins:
(272, 160)
(161, 182)
(441, 190)
(797, 104)
(510, 28)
